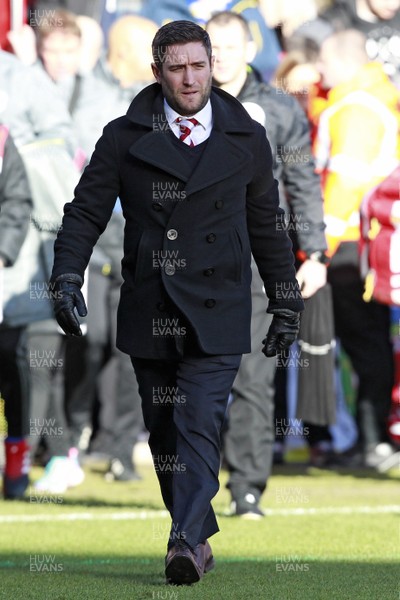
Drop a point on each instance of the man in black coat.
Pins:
(193, 172)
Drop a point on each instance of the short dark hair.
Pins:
(178, 32)
(225, 17)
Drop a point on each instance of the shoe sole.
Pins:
(181, 570)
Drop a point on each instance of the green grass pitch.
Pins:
(326, 536)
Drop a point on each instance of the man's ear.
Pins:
(212, 62)
(251, 51)
(156, 72)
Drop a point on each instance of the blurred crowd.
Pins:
(323, 78)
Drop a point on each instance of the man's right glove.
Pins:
(67, 295)
(282, 332)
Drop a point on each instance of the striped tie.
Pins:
(186, 126)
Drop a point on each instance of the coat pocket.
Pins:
(132, 263)
(140, 259)
(237, 248)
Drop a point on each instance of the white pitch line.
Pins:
(152, 514)
(333, 510)
(86, 516)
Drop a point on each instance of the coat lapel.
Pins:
(157, 149)
(223, 155)
(221, 158)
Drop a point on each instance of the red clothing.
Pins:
(13, 14)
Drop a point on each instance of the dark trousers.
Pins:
(364, 331)
(14, 379)
(184, 403)
(250, 433)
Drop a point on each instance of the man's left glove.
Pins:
(282, 332)
(67, 295)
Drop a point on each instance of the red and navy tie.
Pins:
(186, 126)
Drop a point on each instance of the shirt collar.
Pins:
(204, 116)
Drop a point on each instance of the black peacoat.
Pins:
(189, 233)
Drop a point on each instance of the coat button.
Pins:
(210, 303)
(211, 238)
(219, 204)
(161, 306)
(172, 234)
(208, 272)
(157, 206)
(169, 270)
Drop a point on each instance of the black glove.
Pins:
(67, 295)
(282, 332)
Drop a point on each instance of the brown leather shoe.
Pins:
(181, 565)
(204, 557)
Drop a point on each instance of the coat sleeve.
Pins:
(86, 217)
(270, 244)
(15, 204)
(301, 181)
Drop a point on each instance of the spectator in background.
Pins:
(15, 209)
(107, 94)
(90, 40)
(58, 46)
(118, 76)
(250, 436)
(92, 43)
(42, 130)
(378, 20)
(357, 146)
(59, 50)
(298, 75)
(30, 105)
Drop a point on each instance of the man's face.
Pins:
(230, 49)
(60, 54)
(185, 77)
(384, 9)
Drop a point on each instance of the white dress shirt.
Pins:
(201, 132)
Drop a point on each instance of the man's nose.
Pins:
(189, 77)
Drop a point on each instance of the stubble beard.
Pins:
(187, 110)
